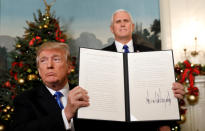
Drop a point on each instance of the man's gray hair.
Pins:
(121, 10)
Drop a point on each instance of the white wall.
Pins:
(181, 22)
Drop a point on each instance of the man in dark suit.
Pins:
(122, 27)
(42, 108)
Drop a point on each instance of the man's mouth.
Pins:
(50, 74)
(123, 29)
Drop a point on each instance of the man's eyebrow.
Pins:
(51, 56)
(56, 56)
(43, 57)
(118, 20)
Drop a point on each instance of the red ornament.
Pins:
(177, 70)
(37, 39)
(14, 74)
(183, 111)
(72, 67)
(14, 64)
(11, 73)
(182, 102)
(7, 84)
(13, 86)
(20, 64)
(13, 96)
(73, 60)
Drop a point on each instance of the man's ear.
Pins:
(111, 28)
(133, 27)
(39, 72)
(69, 68)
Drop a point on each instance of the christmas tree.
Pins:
(23, 73)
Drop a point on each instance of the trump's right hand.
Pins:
(77, 97)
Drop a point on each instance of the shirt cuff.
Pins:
(66, 123)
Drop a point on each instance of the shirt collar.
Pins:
(64, 90)
(119, 46)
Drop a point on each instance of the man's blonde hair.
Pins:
(54, 45)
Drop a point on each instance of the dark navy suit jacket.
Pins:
(37, 110)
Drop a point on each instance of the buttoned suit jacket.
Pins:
(37, 110)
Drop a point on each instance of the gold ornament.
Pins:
(18, 45)
(22, 89)
(36, 72)
(31, 77)
(29, 70)
(72, 70)
(45, 26)
(192, 99)
(2, 127)
(8, 116)
(40, 27)
(45, 40)
(183, 118)
(12, 109)
(8, 107)
(21, 81)
(5, 110)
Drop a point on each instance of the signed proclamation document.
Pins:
(128, 86)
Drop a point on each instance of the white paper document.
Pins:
(151, 75)
(128, 87)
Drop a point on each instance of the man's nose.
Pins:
(123, 24)
(50, 64)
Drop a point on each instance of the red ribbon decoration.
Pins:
(19, 64)
(34, 39)
(15, 64)
(58, 34)
(190, 72)
(15, 76)
(193, 91)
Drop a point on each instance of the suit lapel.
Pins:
(111, 47)
(136, 49)
(46, 101)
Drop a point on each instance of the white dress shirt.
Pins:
(119, 46)
(64, 91)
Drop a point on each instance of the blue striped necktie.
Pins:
(58, 96)
(126, 50)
